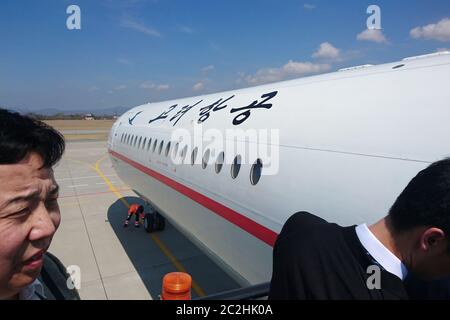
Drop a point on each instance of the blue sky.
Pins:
(133, 51)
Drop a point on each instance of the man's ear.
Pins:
(432, 238)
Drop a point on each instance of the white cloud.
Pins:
(373, 35)
(214, 46)
(208, 68)
(198, 86)
(162, 87)
(125, 4)
(327, 51)
(148, 85)
(124, 61)
(186, 29)
(302, 68)
(93, 89)
(289, 70)
(438, 31)
(308, 6)
(121, 87)
(130, 23)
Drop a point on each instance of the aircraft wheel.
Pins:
(149, 222)
(160, 222)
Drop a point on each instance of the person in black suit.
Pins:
(315, 259)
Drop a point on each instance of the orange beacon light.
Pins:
(176, 286)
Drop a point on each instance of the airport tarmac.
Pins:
(118, 262)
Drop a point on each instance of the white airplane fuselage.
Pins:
(349, 142)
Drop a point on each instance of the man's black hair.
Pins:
(20, 135)
(425, 200)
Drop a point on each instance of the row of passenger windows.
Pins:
(153, 145)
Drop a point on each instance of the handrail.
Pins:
(247, 293)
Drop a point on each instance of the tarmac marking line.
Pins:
(87, 177)
(91, 194)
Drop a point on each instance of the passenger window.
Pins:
(167, 149)
(255, 173)
(219, 162)
(149, 144)
(205, 159)
(155, 144)
(236, 166)
(160, 147)
(194, 155)
(144, 143)
(184, 153)
(175, 150)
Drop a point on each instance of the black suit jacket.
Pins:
(314, 259)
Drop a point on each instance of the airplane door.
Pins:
(113, 134)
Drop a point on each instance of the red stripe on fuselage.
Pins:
(259, 231)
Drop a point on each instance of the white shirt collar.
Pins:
(34, 291)
(380, 253)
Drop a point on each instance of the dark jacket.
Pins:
(54, 279)
(317, 260)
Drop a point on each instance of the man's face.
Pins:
(29, 217)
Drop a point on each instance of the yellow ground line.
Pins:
(108, 182)
(198, 290)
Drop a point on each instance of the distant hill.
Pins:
(54, 111)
